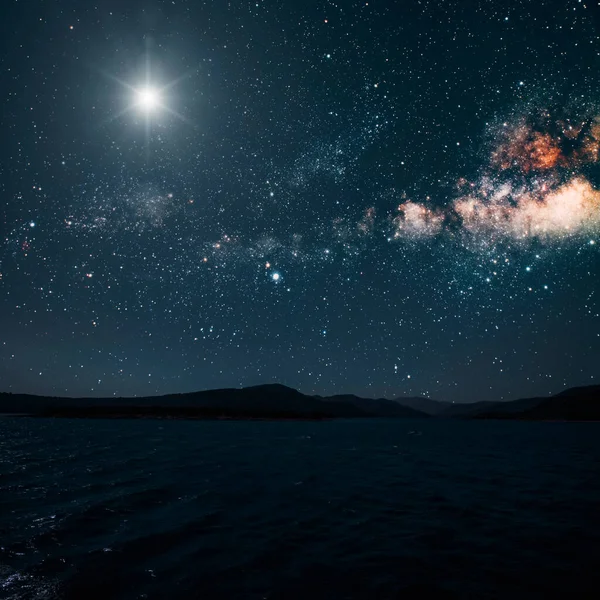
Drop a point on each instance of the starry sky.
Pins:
(380, 198)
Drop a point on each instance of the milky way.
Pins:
(533, 188)
(366, 198)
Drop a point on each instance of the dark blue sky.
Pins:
(375, 197)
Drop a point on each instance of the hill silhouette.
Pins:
(423, 404)
(380, 407)
(574, 404)
(262, 401)
(276, 401)
(487, 407)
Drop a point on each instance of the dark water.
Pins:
(342, 509)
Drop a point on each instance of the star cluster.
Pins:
(371, 197)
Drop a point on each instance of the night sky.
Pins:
(379, 197)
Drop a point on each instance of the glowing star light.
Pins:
(148, 99)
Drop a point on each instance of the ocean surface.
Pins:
(119, 509)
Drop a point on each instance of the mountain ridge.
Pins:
(280, 401)
(276, 400)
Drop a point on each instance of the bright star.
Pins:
(148, 99)
(148, 96)
(275, 276)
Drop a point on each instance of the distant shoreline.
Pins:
(136, 417)
(112, 416)
(276, 402)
